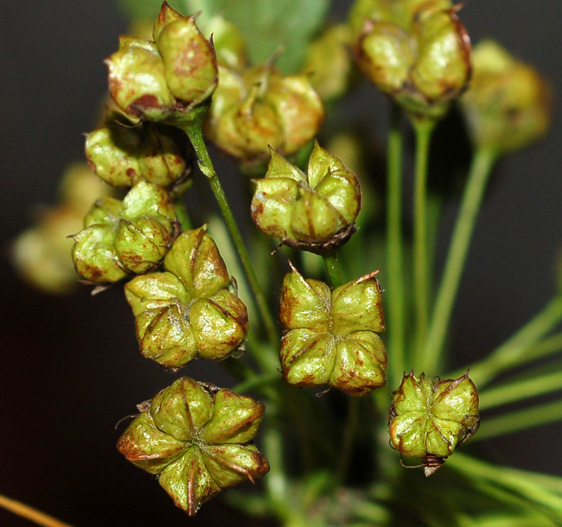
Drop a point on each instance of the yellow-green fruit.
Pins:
(169, 80)
(508, 105)
(430, 418)
(137, 80)
(399, 12)
(122, 237)
(315, 211)
(260, 107)
(190, 63)
(416, 52)
(331, 337)
(188, 311)
(195, 437)
(328, 62)
(40, 253)
(122, 154)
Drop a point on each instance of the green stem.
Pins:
(519, 509)
(182, 215)
(423, 131)
(375, 513)
(521, 389)
(277, 486)
(539, 415)
(515, 351)
(480, 171)
(333, 268)
(348, 438)
(504, 477)
(254, 382)
(545, 348)
(395, 249)
(193, 130)
(548, 481)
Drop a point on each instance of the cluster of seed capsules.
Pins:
(196, 437)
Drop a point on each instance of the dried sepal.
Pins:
(188, 311)
(196, 438)
(429, 419)
(330, 336)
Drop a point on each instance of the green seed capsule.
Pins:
(314, 212)
(40, 253)
(122, 237)
(168, 80)
(331, 337)
(416, 52)
(122, 154)
(509, 104)
(429, 419)
(188, 311)
(137, 80)
(228, 42)
(400, 12)
(328, 62)
(260, 107)
(195, 437)
(190, 63)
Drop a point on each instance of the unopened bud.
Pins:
(315, 211)
(429, 419)
(195, 437)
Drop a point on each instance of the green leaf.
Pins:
(269, 25)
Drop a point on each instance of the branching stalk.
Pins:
(482, 164)
(333, 268)
(193, 130)
(395, 249)
(515, 351)
(520, 390)
(424, 132)
(539, 415)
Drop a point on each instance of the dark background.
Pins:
(70, 367)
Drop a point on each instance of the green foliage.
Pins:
(268, 26)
